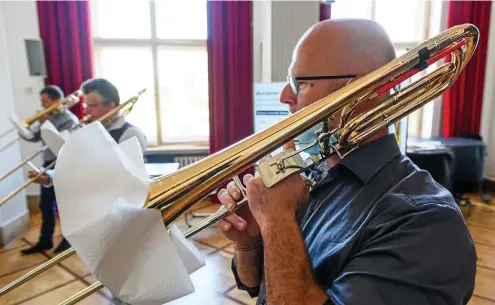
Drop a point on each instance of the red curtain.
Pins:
(325, 10)
(230, 64)
(462, 103)
(65, 29)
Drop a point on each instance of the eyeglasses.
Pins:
(294, 80)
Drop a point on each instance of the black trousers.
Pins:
(47, 207)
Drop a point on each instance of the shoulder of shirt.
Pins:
(134, 130)
(417, 193)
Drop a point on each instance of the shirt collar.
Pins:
(118, 123)
(366, 161)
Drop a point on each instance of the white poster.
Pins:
(267, 107)
(268, 110)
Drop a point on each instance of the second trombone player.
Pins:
(62, 119)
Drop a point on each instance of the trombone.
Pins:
(67, 102)
(108, 118)
(42, 115)
(177, 193)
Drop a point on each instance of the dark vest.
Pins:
(117, 133)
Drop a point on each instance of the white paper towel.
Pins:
(52, 137)
(101, 190)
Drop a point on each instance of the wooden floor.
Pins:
(214, 283)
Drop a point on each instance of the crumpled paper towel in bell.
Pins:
(52, 137)
(100, 195)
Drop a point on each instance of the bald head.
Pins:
(350, 48)
(342, 46)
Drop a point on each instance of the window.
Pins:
(408, 23)
(160, 46)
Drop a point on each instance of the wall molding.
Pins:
(489, 184)
(14, 229)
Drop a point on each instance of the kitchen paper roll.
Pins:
(101, 190)
(52, 137)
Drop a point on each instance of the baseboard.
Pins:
(14, 229)
(33, 203)
(489, 185)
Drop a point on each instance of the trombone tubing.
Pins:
(26, 184)
(178, 192)
(63, 103)
(23, 162)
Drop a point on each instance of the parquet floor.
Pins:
(214, 283)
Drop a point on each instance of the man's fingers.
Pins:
(234, 191)
(226, 199)
(246, 178)
(236, 221)
(224, 226)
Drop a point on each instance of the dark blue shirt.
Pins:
(378, 230)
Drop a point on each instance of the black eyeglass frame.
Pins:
(293, 80)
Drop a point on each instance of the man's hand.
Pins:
(278, 203)
(43, 179)
(240, 227)
(243, 230)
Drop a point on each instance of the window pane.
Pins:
(351, 9)
(404, 21)
(130, 69)
(178, 20)
(183, 77)
(120, 19)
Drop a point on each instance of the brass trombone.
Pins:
(176, 193)
(42, 115)
(123, 108)
(67, 102)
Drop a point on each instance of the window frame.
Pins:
(154, 43)
(419, 113)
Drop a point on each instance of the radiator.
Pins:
(187, 160)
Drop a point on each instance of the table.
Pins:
(463, 156)
(160, 169)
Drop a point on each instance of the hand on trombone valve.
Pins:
(244, 226)
(43, 179)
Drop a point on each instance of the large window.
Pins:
(160, 46)
(408, 23)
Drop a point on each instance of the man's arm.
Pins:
(288, 271)
(246, 266)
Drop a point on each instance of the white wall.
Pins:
(488, 111)
(275, 34)
(21, 22)
(10, 154)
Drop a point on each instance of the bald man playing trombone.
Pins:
(375, 229)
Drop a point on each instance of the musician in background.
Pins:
(62, 120)
(101, 96)
(375, 229)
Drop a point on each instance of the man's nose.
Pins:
(287, 96)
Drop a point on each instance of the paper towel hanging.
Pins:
(101, 189)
